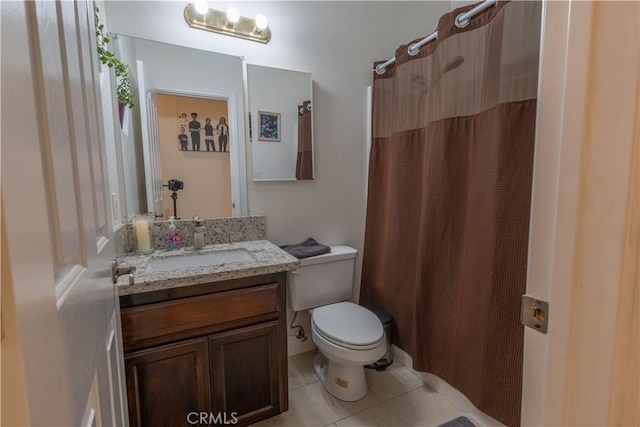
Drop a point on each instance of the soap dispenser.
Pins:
(172, 238)
(198, 233)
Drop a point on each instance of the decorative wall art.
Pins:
(268, 126)
(213, 136)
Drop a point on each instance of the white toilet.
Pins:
(348, 336)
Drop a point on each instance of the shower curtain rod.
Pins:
(461, 21)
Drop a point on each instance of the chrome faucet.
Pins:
(198, 233)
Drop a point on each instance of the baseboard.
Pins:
(295, 346)
(444, 389)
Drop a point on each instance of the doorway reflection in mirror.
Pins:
(198, 162)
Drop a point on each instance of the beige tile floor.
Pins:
(396, 397)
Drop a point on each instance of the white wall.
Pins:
(459, 3)
(337, 42)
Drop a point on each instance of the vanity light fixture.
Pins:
(232, 17)
(261, 23)
(201, 7)
(199, 15)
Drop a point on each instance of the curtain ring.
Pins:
(380, 69)
(461, 23)
(412, 51)
(309, 106)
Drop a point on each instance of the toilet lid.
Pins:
(348, 323)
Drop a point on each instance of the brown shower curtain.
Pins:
(449, 198)
(304, 162)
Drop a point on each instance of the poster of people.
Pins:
(197, 133)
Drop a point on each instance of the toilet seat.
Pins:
(348, 325)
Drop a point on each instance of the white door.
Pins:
(583, 250)
(150, 140)
(56, 222)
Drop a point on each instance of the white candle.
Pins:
(142, 235)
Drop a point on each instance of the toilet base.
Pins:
(344, 381)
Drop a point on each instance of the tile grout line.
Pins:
(339, 419)
(378, 397)
(382, 402)
(300, 386)
(300, 367)
(293, 359)
(424, 383)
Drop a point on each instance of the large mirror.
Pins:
(183, 146)
(281, 124)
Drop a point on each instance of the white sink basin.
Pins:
(197, 260)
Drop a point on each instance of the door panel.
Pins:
(59, 236)
(95, 128)
(56, 124)
(115, 372)
(587, 110)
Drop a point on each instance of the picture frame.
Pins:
(269, 127)
(202, 135)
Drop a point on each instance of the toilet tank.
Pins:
(323, 279)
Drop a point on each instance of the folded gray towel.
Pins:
(306, 249)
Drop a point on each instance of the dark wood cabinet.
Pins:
(246, 371)
(165, 383)
(216, 348)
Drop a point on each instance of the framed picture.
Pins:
(268, 126)
(194, 135)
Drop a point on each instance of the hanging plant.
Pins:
(123, 78)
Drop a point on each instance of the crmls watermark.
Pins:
(210, 418)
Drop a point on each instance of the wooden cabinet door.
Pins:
(246, 372)
(165, 384)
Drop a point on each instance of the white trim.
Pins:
(368, 137)
(555, 189)
(147, 141)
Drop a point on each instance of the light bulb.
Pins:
(201, 7)
(261, 22)
(233, 15)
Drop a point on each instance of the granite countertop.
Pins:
(269, 258)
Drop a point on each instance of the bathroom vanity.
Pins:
(206, 338)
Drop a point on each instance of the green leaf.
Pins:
(123, 86)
